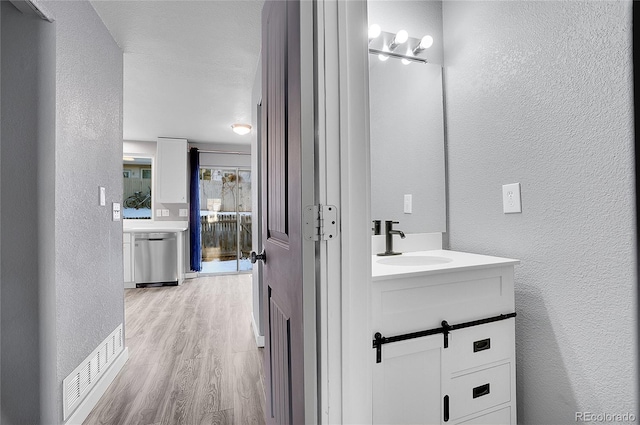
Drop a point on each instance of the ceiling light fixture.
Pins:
(241, 129)
(128, 158)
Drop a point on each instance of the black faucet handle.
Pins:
(376, 227)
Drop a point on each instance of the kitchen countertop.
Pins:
(458, 261)
(130, 226)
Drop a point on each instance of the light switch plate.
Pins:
(103, 196)
(183, 212)
(165, 213)
(116, 211)
(158, 213)
(511, 202)
(408, 204)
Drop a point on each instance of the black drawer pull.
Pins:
(481, 390)
(483, 344)
(446, 408)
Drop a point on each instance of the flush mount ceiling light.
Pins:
(241, 129)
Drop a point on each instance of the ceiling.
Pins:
(189, 66)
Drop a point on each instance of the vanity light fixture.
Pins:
(241, 129)
(400, 38)
(374, 31)
(386, 45)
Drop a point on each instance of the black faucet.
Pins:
(388, 238)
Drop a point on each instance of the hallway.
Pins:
(192, 357)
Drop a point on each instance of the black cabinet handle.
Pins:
(445, 406)
(483, 344)
(481, 390)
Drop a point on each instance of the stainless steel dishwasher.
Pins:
(156, 259)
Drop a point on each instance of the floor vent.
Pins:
(77, 385)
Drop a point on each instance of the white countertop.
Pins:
(459, 261)
(130, 226)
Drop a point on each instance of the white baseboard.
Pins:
(90, 401)
(256, 334)
(191, 275)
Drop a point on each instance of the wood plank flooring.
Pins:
(192, 357)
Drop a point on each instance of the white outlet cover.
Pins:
(165, 213)
(408, 201)
(116, 211)
(511, 202)
(183, 212)
(158, 213)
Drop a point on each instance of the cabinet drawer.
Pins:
(480, 390)
(499, 417)
(480, 345)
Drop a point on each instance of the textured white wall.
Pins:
(88, 154)
(541, 93)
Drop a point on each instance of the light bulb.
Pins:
(374, 31)
(401, 37)
(383, 57)
(426, 42)
(405, 61)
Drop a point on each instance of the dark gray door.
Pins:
(281, 212)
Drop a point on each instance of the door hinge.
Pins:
(320, 222)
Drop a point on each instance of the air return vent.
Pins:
(77, 385)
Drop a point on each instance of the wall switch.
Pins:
(183, 212)
(116, 211)
(408, 204)
(103, 196)
(158, 213)
(165, 213)
(511, 198)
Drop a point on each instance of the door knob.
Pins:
(255, 257)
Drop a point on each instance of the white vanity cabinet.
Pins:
(463, 376)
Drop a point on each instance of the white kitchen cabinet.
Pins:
(127, 258)
(171, 171)
(464, 376)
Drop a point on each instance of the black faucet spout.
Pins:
(389, 231)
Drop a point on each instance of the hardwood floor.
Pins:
(192, 357)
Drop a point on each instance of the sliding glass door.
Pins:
(225, 217)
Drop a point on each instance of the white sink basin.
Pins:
(412, 260)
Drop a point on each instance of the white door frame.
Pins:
(343, 168)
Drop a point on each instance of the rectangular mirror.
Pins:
(407, 144)
(137, 202)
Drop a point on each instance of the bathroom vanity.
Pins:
(443, 347)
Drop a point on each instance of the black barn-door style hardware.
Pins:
(445, 329)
